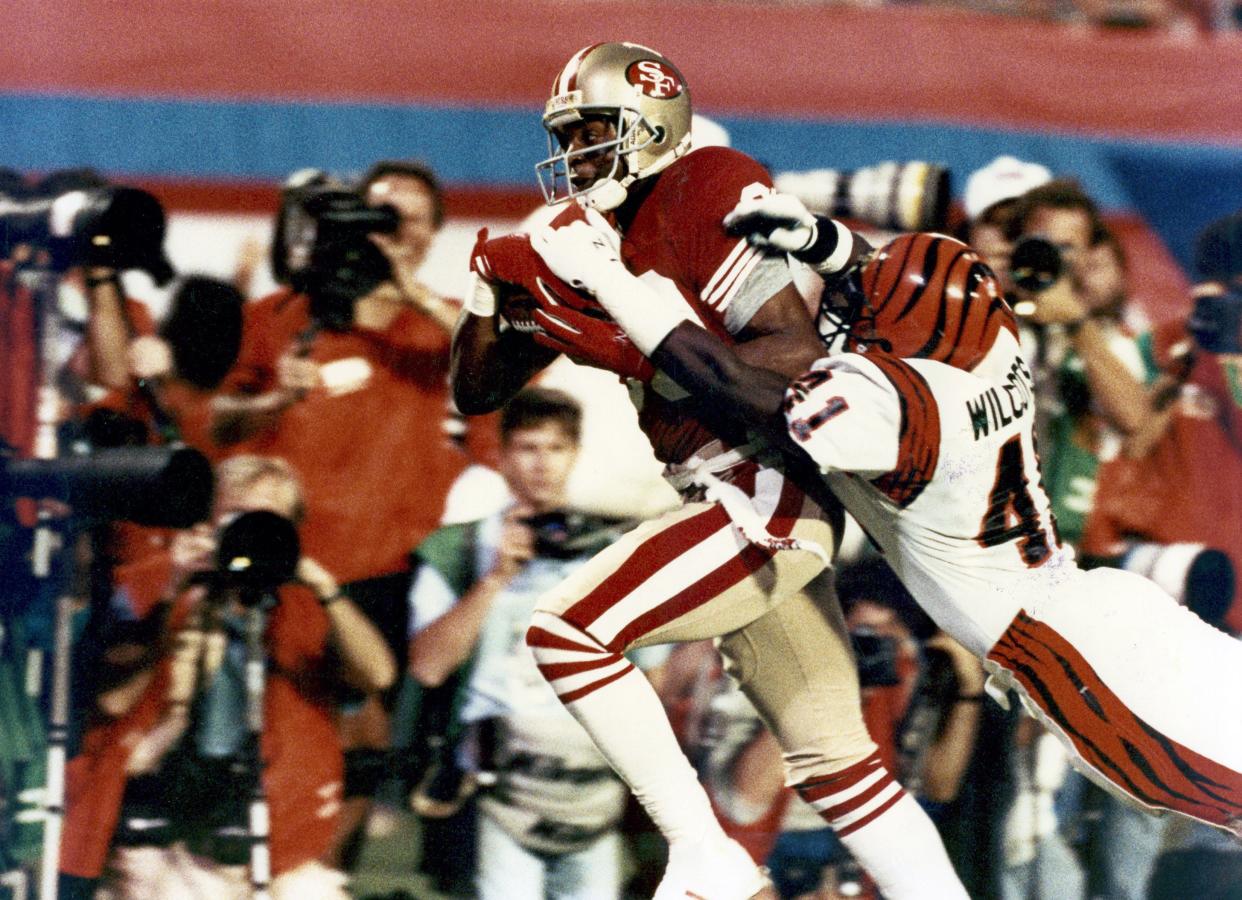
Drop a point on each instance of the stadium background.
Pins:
(210, 103)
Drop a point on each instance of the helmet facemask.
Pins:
(632, 134)
(845, 320)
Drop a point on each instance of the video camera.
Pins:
(322, 246)
(118, 227)
(905, 196)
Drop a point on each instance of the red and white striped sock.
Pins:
(886, 830)
(621, 712)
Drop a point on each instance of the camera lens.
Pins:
(258, 552)
(1035, 264)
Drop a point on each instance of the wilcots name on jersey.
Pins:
(997, 407)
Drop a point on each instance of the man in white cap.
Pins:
(989, 199)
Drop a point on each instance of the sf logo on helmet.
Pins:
(654, 78)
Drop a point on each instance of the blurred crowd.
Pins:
(397, 683)
(1177, 18)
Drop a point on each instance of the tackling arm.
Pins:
(705, 365)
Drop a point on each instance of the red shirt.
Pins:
(1189, 488)
(372, 454)
(303, 762)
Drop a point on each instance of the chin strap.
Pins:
(608, 195)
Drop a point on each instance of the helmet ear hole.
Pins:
(659, 134)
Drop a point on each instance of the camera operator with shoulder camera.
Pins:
(343, 373)
(553, 814)
(66, 239)
(157, 799)
(1068, 275)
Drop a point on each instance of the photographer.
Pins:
(1179, 480)
(98, 320)
(1069, 275)
(549, 826)
(155, 803)
(343, 373)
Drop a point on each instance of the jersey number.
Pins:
(1011, 510)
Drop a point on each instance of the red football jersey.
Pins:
(675, 243)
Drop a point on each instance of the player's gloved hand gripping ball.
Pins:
(586, 254)
(533, 300)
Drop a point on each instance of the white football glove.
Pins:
(773, 222)
(588, 257)
(780, 222)
(583, 256)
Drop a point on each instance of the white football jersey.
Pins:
(939, 467)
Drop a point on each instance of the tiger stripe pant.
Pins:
(1144, 693)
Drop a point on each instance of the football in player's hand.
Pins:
(516, 306)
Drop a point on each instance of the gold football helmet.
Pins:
(646, 99)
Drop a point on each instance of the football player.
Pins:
(732, 560)
(924, 432)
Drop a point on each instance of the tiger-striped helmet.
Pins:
(645, 97)
(932, 297)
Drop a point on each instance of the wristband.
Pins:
(480, 297)
(325, 602)
(643, 314)
(830, 248)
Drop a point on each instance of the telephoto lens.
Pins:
(119, 227)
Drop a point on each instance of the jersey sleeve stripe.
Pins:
(919, 442)
(740, 260)
(740, 281)
(738, 249)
